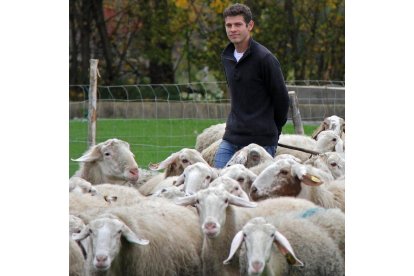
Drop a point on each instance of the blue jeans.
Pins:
(226, 150)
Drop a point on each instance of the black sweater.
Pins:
(259, 98)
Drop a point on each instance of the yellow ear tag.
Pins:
(315, 179)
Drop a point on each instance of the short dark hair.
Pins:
(239, 9)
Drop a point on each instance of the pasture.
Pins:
(151, 140)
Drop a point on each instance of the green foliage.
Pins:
(161, 41)
(151, 140)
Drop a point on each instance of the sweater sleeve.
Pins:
(275, 85)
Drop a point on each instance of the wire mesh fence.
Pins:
(158, 119)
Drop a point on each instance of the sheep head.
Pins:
(105, 237)
(109, 162)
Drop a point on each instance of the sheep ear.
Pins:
(286, 249)
(254, 155)
(132, 237)
(239, 157)
(163, 164)
(311, 180)
(82, 235)
(238, 201)
(187, 200)
(235, 244)
(179, 180)
(91, 155)
(321, 128)
(339, 147)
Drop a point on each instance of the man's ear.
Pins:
(250, 25)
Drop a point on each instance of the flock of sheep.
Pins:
(260, 215)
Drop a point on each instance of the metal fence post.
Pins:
(93, 82)
(296, 118)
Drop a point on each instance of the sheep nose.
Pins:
(257, 266)
(253, 190)
(133, 171)
(210, 226)
(101, 258)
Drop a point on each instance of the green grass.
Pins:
(151, 140)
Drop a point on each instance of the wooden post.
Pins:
(93, 83)
(294, 107)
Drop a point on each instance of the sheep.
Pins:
(209, 153)
(334, 123)
(171, 193)
(157, 183)
(327, 141)
(76, 259)
(301, 248)
(241, 174)
(288, 178)
(173, 165)
(108, 162)
(154, 237)
(77, 251)
(80, 185)
(231, 186)
(332, 162)
(196, 177)
(109, 195)
(220, 219)
(250, 156)
(209, 136)
(330, 220)
(296, 140)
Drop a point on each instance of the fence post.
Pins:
(93, 82)
(296, 118)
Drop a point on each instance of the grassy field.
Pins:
(151, 140)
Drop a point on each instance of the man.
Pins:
(259, 98)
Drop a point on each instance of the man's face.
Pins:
(237, 30)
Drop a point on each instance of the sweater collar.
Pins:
(229, 50)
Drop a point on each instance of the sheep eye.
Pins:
(272, 235)
(284, 172)
(120, 231)
(226, 200)
(90, 231)
(208, 177)
(334, 139)
(240, 179)
(237, 188)
(333, 164)
(185, 161)
(107, 154)
(244, 235)
(76, 231)
(197, 201)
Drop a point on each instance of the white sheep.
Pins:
(209, 136)
(220, 219)
(241, 174)
(230, 185)
(250, 156)
(109, 195)
(171, 193)
(154, 237)
(288, 178)
(209, 153)
(332, 162)
(81, 186)
(173, 165)
(286, 246)
(329, 140)
(76, 259)
(331, 220)
(108, 162)
(77, 252)
(334, 123)
(157, 183)
(196, 177)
